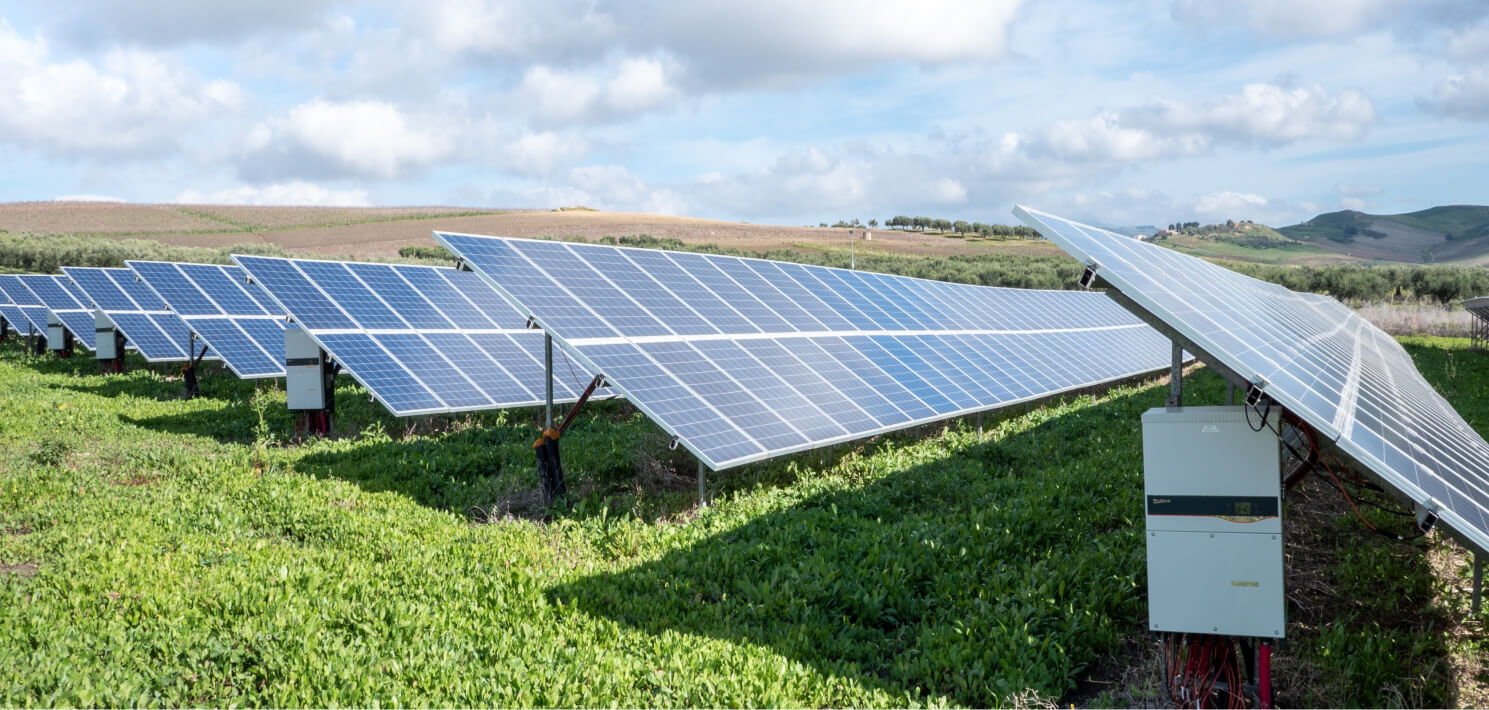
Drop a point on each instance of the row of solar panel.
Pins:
(444, 353)
(1325, 363)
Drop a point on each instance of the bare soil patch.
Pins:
(24, 569)
(264, 217)
(99, 218)
(383, 239)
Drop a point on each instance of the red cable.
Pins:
(1264, 675)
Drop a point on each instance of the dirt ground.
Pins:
(383, 238)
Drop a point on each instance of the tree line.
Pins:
(1347, 282)
(939, 224)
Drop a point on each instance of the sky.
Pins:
(768, 111)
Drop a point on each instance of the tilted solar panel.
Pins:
(62, 299)
(25, 308)
(158, 334)
(744, 359)
(217, 303)
(1348, 379)
(421, 339)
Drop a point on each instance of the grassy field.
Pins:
(158, 551)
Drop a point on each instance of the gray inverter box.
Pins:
(1213, 496)
(304, 387)
(104, 344)
(56, 335)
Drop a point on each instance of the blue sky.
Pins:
(771, 111)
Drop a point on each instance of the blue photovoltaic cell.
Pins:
(742, 359)
(174, 288)
(313, 309)
(61, 300)
(1325, 363)
(421, 339)
(267, 333)
(100, 289)
(210, 301)
(355, 299)
(370, 363)
(14, 318)
(225, 286)
(237, 349)
(136, 311)
(146, 336)
(27, 313)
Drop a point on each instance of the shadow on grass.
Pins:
(1008, 564)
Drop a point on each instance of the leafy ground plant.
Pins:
(182, 552)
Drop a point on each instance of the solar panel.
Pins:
(421, 339)
(744, 359)
(25, 308)
(217, 303)
(158, 334)
(61, 298)
(1348, 379)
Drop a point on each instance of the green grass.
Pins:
(1288, 252)
(167, 552)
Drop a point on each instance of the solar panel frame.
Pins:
(62, 300)
(722, 415)
(25, 303)
(155, 332)
(216, 305)
(387, 357)
(1126, 264)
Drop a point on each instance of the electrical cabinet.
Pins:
(105, 346)
(1213, 492)
(56, 334)
(304, 383)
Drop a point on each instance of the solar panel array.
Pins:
(66, 302)
(24, 308)
(744, 359)
(1349, 380)
(421, 339)
(244, 326)
(158, 334)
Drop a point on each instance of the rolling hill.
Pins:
(1436, 234)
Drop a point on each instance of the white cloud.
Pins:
(289, 193)
(639, 84)
(1355, 190)
(130, 103)
(1352, 203)
(1464, 96)
(947, 191)
(372, 139)
(175, 22)
(1267, 114)
(636, 85)
(539, 153)
(1264, 115)
(1227, 204)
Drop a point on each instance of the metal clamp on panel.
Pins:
(672, 446)
(531, 322)
(1426, 515)
(1255, 397)
(1088, 278)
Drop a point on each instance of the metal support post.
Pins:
(1478, 582)
(702, 485)
(548, 381)
(1176, 378)
(852, 260)
(979, 423)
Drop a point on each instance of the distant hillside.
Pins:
(1437, 234)
(1242, 241)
